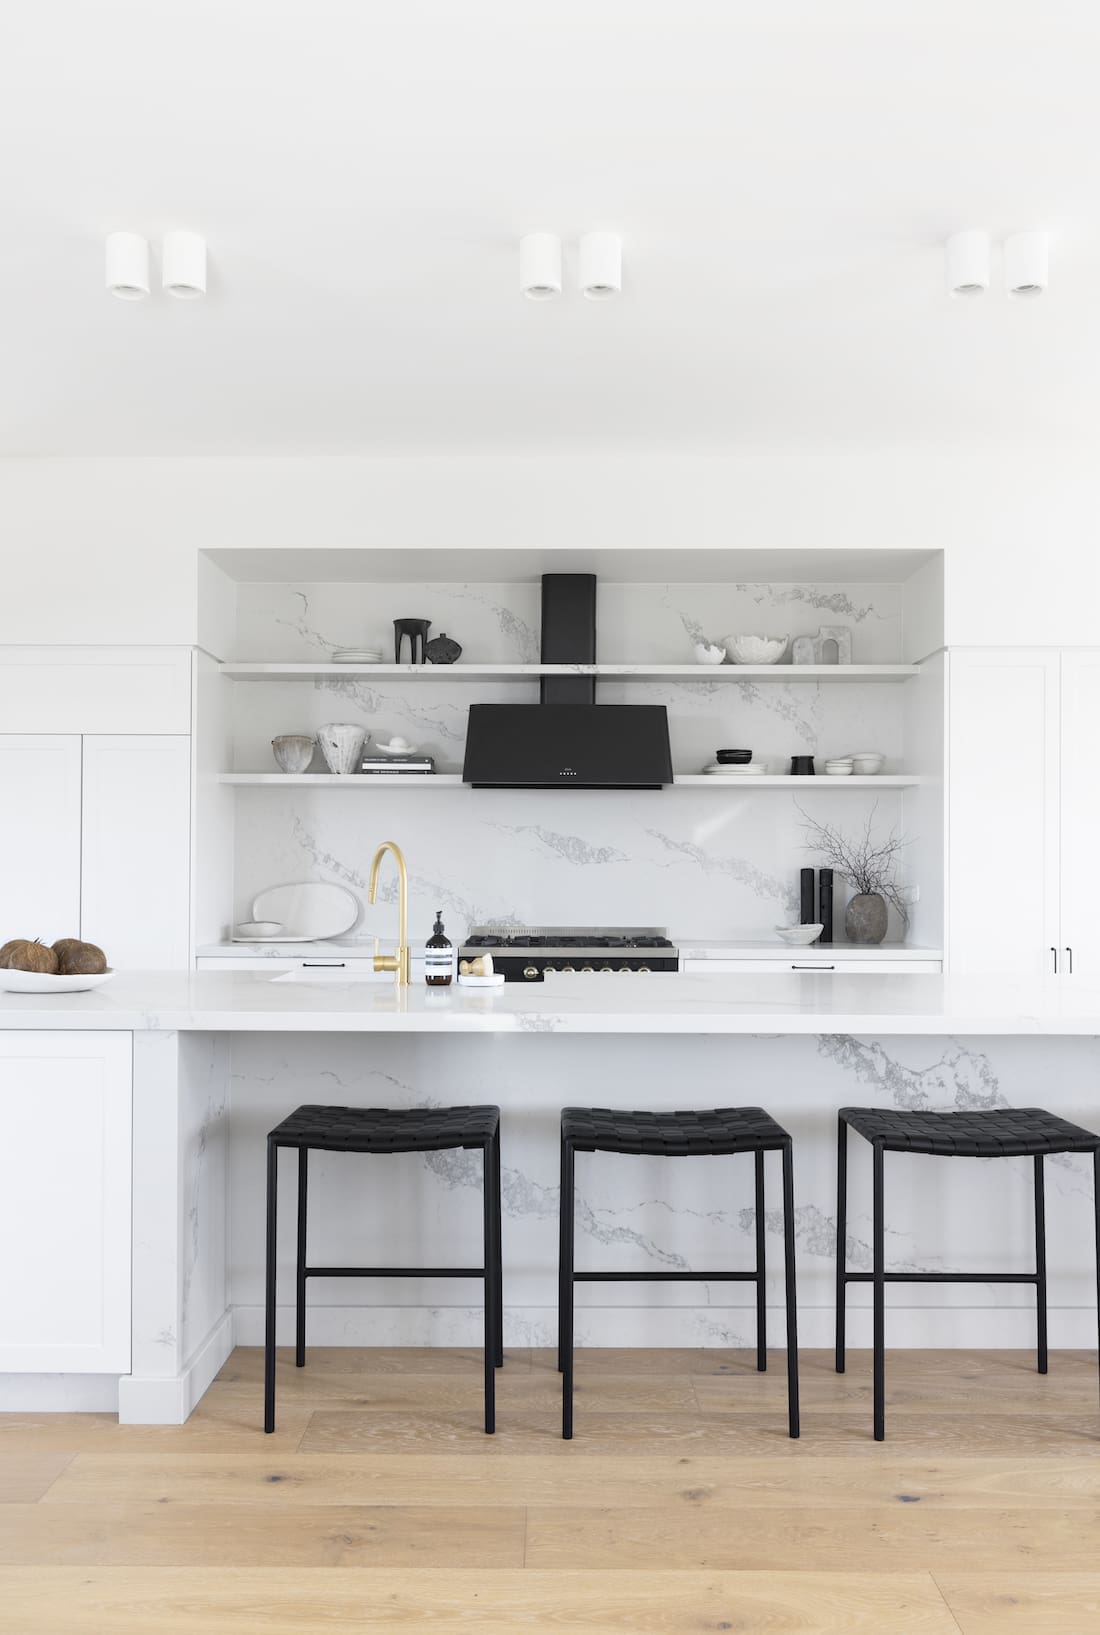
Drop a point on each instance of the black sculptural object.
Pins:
(443, 649)
(417, 632)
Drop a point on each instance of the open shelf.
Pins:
(531, 672)
(453, 780)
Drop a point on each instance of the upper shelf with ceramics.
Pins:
(531, 672)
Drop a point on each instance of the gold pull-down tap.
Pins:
(399, 962)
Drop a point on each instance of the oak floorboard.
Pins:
(1018, 1603)
(262, 1535)
(897, 1538)
(524, 1392)
(27, 1477)
(247, 1362)
(104, 1601)
(203, 1475)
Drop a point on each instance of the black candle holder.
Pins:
(417, 632)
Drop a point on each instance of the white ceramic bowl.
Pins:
(869, 765)
(838, 771)
(707, 653)
(39, 982)
(259, 930)
(756, 649)
(799, 936)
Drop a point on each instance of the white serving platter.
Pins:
(41, 982)
(311, 910)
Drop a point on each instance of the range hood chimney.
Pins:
(568, 635)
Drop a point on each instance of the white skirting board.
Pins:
(157, 1400)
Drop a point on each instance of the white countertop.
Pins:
(213, 1001)
(772, 948)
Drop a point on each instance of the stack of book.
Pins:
(411, 764)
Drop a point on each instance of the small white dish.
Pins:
(798, 936)
(748, 769)
(494, 981)
(756, 649)
(869, 765)
(838, 772)
(708, 653)
(397, 746)
(258, 931)
(40, 982)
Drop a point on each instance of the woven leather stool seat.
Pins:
(673, 1135)
(387, 1129)
(1002, 1132)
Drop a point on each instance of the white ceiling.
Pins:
(783, 174)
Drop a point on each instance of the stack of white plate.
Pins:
(357, 655)
(839, 767)
(750, 769)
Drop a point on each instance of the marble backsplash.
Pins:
(721, 863)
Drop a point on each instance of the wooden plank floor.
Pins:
(379, 1505)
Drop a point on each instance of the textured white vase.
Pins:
(342, 745)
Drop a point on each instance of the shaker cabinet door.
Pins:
(136, 850)
(65, 1202)
(39, 836)
(1003, 804)
(1080, 929)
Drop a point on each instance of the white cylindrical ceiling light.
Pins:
(601, 265)
(540, 266)
(183, 265)
(127, 266)
(967, 263)
(1026, 261)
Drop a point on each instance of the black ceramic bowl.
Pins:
(733, 757)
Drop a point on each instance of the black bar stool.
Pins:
(385, 1130)
(723, 1131)
(998, 1133)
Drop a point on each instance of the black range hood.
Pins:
(568, 741)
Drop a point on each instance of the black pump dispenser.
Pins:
(439, 956)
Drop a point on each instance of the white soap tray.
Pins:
(494, 981)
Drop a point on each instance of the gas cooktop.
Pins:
(527, 953)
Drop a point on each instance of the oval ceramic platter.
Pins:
(310, 911)
(40, 982)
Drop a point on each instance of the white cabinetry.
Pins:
(1022, 794)
(135, 849)
(40, 835)
(65, 1202)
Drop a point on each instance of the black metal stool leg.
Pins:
(492, 1292)
(761, 1289)
(498, 1257)
(1040, 1265)
(565, 1311)
(880, 1298)
(300, 1279)
(1096, 1214)
(789, 1279)
(269, 1289)
(841, 1240)
(561, 1260)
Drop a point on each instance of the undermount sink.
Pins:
(332, 975)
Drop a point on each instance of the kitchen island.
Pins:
(134, 1291)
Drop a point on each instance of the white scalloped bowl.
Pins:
(756, 649)
(799, 936)
(41, 982)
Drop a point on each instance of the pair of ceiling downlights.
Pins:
(183, 265)
(599, 266)
(967, 258)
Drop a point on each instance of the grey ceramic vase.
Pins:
(865, 918)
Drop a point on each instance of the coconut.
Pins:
(33, 956)
(76, 958)
(8, 948)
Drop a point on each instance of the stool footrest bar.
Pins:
(665, 1277)
(944, 1277)
(394, 1271)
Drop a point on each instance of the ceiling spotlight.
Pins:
(1026, 263)
(967, 263)
(183, 265)
(601, 265)
(127, 266)
(540, 266)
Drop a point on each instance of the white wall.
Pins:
(105, 550)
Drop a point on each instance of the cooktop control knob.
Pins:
(530, 971)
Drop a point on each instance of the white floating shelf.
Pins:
(531, 672)
(453, 780)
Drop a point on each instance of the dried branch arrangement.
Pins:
(868, 864)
